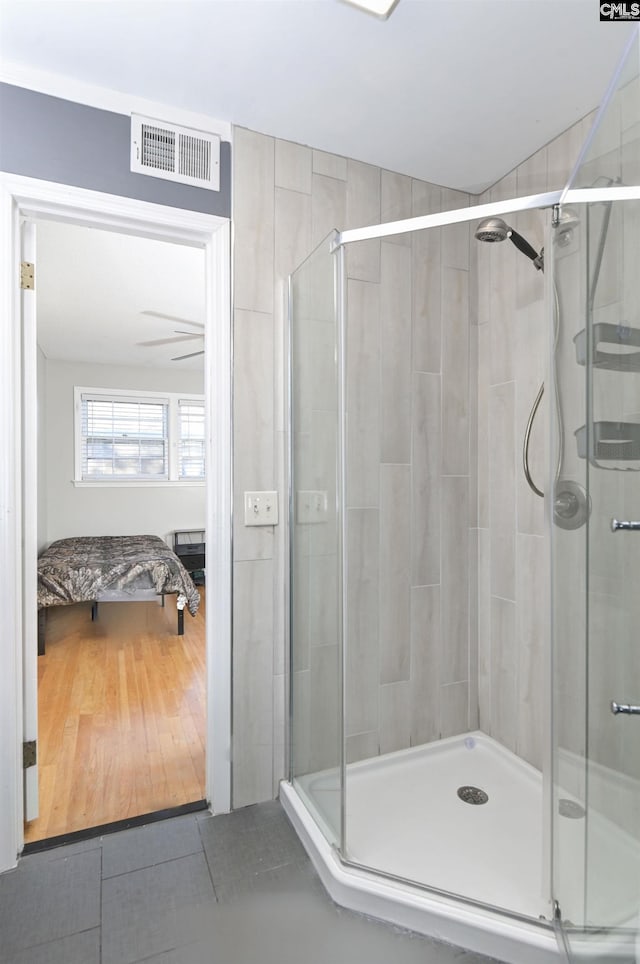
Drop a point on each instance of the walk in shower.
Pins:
(464, 658)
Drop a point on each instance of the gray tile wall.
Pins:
(513, 552)
(408, 388)
(274, 217)
(590, 675)
(409, 440)
(447, 554)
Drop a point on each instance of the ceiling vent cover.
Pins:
(175, 153)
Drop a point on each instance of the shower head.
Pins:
(492, 229)
(495, 229)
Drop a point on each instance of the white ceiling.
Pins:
(93, 286)
(457, 92)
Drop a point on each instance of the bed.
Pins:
(111, 569)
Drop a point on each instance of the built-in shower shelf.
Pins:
(610, 442)
(613, 347)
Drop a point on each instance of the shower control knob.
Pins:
(619, 524)
(571, 504)
(624, 708)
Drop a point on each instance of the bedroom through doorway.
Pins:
(122, 670)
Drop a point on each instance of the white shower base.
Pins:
(404, 818)
(498, 845)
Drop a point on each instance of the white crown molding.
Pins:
(58, 85)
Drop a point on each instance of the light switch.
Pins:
(261, 508)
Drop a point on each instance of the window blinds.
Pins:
(191, 440)
(124, 439)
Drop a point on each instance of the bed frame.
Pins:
(115, 595)
(95, 569)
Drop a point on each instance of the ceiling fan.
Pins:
(182, 335)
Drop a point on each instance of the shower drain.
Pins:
(472, 795)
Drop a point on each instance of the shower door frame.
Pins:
(547, 200)
(531, 202)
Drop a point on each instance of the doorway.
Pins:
(22, 201)
(120, 409)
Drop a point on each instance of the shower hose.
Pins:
(534, 411)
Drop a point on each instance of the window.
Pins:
(191, 443)
(124, 439)
(138, 437)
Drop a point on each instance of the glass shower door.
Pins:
(316, 757)
(596, 613)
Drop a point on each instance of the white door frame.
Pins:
(23, 199)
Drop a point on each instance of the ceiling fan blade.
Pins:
(184, 321)
(190, 355)
(168, 341)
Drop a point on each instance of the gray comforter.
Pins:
(79, 569)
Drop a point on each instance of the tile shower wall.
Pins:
(608, 572)
(286, 200)
(436, 415)
(410, 677)
(513, 574)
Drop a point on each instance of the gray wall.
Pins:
(513, 551)
(424, 672)
(597, 661)
(409, 480)
(287, 199)
(86, 147)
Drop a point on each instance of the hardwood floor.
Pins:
(122, 710)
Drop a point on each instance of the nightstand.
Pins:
(189, 547)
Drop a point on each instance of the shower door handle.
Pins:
(618, 524)
(624, 708)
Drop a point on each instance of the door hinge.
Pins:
(29, 754)
(27, 275)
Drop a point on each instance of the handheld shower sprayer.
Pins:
(571, 505)
(495, 229)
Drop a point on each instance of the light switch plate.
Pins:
(261, 508)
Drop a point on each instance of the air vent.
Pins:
(175, 153)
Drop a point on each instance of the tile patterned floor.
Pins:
(232, 889)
